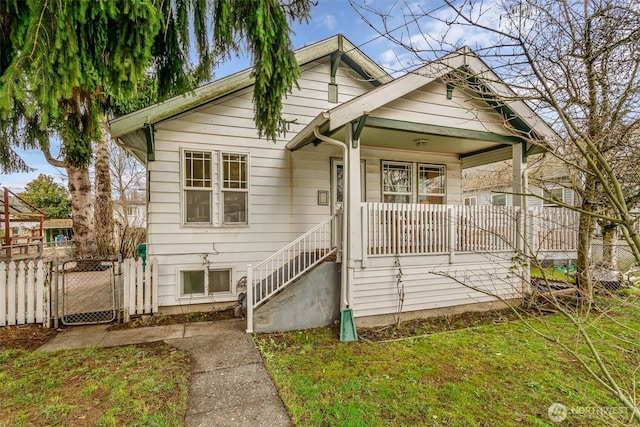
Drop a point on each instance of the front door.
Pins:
(337, 183)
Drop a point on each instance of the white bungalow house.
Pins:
(370, 172)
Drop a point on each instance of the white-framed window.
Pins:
(471, 201)
(499, 199)
(406, 182)
(431, 184)
(198, 187)
(235, 188)
(556, 194)
(215, 188)
(397, 179)
(200, 283)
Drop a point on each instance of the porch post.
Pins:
(352, 197)
(520, 185)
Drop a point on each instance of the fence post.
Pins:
(153, 265)
(249, 299)
(43, 309)
(365, 234)
(452, 235)
(3, 294)
(125, 289)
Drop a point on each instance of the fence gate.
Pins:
(88, 291)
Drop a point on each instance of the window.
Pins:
(499, 200)
(196, 283)
(401, 185)
(471, 201)
(396, 182)
(198, 186)
(556, 194)
(216, 188)
(431, 185)
(235, 189)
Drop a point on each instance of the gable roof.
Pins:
(495, 92)
(130, 128)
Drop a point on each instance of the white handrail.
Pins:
(271, 275)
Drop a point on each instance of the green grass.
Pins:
(551, 273)
(134, 385)
(494, 375)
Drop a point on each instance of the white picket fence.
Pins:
(25, 291)
(140, 287)
(24, 298)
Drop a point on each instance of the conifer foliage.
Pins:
(63, 64)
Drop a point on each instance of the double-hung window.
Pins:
(397, 180)
(216, 188)
(198, 187)
(406, 182)
(552, 196)
(235, 188)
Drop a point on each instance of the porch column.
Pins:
(520, 183)
(352, 197)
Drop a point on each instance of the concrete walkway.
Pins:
(229, 383)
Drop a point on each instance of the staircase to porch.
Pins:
(271, 276)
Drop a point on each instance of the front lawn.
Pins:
(145, 385)
(491, 375)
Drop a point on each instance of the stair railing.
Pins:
(277, 271)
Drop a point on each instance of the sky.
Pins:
(328, 18)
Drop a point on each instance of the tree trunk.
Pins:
(84, 235)
(609, 240)
(585, 232)
(103, 205)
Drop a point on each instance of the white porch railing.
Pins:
(553, 229)
(24, 297)
(140, 287)
(283, 267)
(414, 229)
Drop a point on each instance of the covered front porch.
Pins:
(416, 246)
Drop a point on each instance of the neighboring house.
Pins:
(384, 154)
(492, 185)
(132, 213)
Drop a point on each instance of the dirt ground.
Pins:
(25, 337)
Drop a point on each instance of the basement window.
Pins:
(197, 283)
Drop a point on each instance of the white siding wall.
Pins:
(430, 283)
(430, 105)
(282, 205)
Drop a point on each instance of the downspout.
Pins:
(345, 235)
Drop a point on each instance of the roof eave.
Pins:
(240, 80)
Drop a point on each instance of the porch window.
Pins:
(235, 188)
(556, 193)
(197, 283)
(198, 187)
(431, 184)
(397, 182)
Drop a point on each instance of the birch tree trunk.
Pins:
(84, 235)
(104, 222)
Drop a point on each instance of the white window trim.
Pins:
(474, 198)
(444, 174)
(184, 189)
(549, 191)
(216, 297)
(217, 208)
(499, 195)
(415, 191)
(221, 189)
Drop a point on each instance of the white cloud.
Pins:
(329, 22)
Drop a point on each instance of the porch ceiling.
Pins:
(464, 144)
